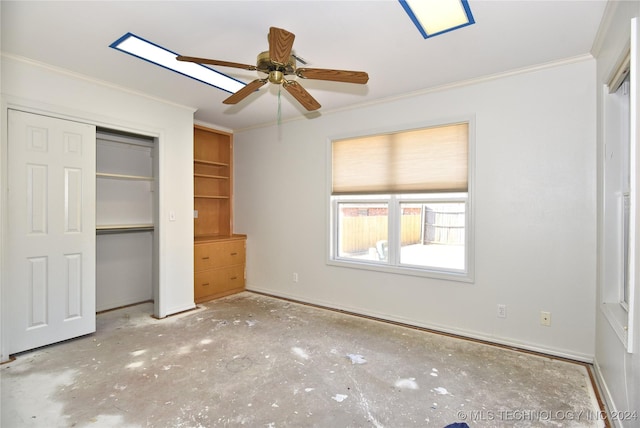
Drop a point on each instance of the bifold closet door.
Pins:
(51, 222)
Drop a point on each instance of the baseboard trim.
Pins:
(608, 402)
(128, 305)
(463, 334)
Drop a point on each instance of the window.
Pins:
(400, 202)
(619, 212)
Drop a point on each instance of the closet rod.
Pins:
(110, 230)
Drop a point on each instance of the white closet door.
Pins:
(51, 287)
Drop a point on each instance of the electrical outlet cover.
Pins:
(502, 311)
(545, 318)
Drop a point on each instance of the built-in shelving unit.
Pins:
(212, 182)
(219, 253)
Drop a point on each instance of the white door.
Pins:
(50, 294)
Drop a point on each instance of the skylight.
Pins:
(434, 17)
(148, 51)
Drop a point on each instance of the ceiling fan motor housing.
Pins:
(275, 70)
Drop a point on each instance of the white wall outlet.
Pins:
(172, 216)
(295, 277)
(545, 318)
(502, 311)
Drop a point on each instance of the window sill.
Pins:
(617, 318)
(404, 270)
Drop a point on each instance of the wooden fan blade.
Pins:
(301, 94)
(215, 62)
(334, 75)
(280, 45)
(245, 92)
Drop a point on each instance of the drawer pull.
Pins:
(233, 278)
(205, 258)
(205, 284)
(234, 254)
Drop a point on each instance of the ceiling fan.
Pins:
(279, 62)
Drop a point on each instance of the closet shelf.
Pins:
(123, 228)
(206, 162)
(124, 176)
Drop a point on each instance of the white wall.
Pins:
(535, 219)
(618, 371)
(41, 89)
(124, 269)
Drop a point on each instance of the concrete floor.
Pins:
(255, 361)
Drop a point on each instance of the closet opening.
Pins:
(126, 219)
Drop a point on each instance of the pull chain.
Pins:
(279, 107)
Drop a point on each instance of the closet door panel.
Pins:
(36, 193)
(73, 200)
(73, 283)
(51, 231)
(38, 286)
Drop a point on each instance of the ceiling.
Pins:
(373, 36)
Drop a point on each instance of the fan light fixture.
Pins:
(434, 17)
(277, 63)
(148, 51)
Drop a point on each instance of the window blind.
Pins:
(417, 161)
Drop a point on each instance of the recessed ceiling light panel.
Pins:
(148, 51)
(434, 17)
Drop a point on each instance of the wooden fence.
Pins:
(443, 227)
(360, 233)
(363, 232)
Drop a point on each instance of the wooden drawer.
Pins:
(218, 282)
(212, 255)
(231, 278)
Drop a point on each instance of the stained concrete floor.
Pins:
(255, 361)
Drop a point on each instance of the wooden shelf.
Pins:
(208, 162)
(219, 177)
(124, 177)
(210, 197)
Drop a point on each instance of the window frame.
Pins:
(617, 271)
(617, 303)
(393, 265)
(628, 227)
